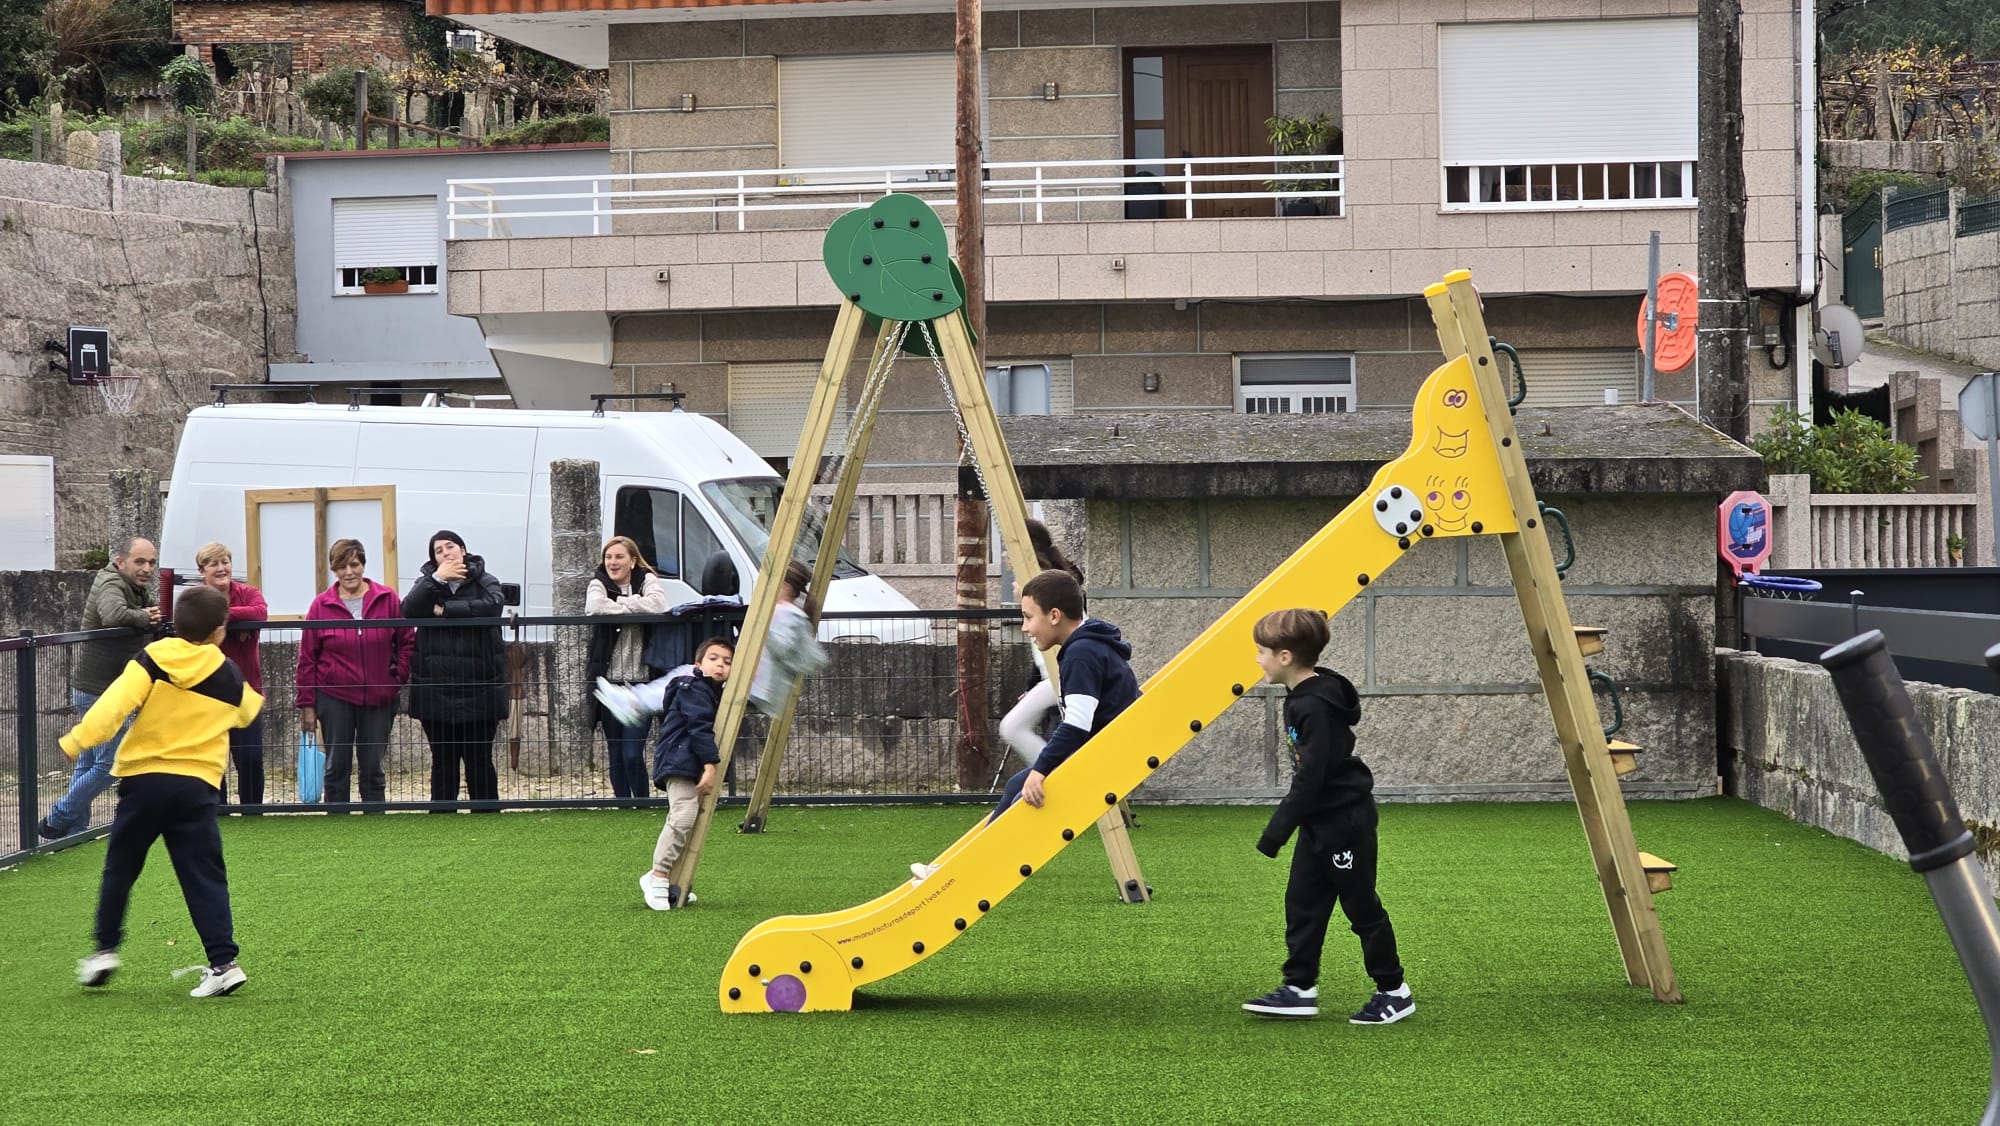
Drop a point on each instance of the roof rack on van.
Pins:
(222, 390)
(355, 391)
(598, 401)
(441, 398)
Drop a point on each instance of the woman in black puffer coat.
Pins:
(458, 687)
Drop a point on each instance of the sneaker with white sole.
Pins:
(1386, 1008)
(219, 981)
(619, 700)
(1285, 1001)
(97, 969)
(657, 891)
(922, 872)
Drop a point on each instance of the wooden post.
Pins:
(1722, 348)
(190, 148)
(360, 110)
(974, 701)
(36, 149)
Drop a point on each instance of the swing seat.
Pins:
(1590, 639)
(1659, 873)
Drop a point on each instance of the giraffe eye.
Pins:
(1459, 495)
(1434, 498)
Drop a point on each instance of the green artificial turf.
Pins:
(504, 969)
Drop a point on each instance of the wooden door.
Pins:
(1209, 102)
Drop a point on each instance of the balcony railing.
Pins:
(1038, 191)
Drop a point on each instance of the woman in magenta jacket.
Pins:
(246, 604)
(348, 679)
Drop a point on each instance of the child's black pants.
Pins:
(180, 810)
(1326, 872)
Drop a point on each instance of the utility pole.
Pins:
(1722, 352)
(974, 758)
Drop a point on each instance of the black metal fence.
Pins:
(1911, 210)
(879, 724)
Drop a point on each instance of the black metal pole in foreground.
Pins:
(1899, 755)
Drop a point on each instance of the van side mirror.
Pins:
(510, 594)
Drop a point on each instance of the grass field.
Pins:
(503, 969)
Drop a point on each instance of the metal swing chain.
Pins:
(966, 452)
(871, 395)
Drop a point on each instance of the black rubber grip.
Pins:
(1898, 750)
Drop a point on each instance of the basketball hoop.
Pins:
(119, 391)
(1778, 586)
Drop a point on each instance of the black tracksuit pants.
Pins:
(469, 742)
(1326, 871)
(181, 810)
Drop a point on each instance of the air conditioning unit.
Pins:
(465, 41)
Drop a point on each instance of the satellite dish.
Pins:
(1675, 314)
(1837, 339)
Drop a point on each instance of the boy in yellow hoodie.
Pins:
(189, 697)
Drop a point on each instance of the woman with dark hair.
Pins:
(1020, 727)
(624, 584)
(458, 685)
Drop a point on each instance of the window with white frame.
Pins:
(839, 111)
(1559, 114)
(1295, 383)
(388, 239)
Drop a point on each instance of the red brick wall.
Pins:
(323, 33)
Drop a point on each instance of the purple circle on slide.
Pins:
(785, 994)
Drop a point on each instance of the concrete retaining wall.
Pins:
(1786, 745)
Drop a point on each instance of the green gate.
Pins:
(1861, 263)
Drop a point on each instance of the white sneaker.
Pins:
(95, 970)
(922, 872)
(657, 890)
(219, 982)
(620, 702)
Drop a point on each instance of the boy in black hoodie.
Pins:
(1332, 804)
(1094, 666)
(684, 762)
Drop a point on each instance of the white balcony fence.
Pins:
(1038, 191)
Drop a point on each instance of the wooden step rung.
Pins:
(1590, 639)
(1624, 756)
(1659, 873)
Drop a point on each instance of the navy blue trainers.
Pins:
(1285, 1001)
(1386, 1008)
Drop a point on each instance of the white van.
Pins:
(279, 483)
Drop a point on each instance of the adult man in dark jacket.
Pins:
(121, 597)
(458, 684)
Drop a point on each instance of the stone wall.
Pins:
(1941, 290)
(194, 282)
(1786, 745)
(1451, 703)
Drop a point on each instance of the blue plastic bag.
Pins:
(312, 768)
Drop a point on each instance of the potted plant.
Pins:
(384, 279)
(1315, 135)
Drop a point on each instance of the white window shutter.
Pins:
(846, 110)
(1567, 91)
(398, 231)
(768, 404)
(1578, 377)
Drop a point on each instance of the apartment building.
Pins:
(1143, 251)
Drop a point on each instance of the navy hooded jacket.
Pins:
(1097, 685)
(687, 730)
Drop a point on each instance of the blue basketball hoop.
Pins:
(1778, 586)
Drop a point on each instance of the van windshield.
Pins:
(749, 505)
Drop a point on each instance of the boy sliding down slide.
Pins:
(1094, 667)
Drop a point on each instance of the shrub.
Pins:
(331, 95)
(556, 131)
(232, 177)
(1852, 454)
(187, 83)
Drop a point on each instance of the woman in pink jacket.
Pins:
(348, 679)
